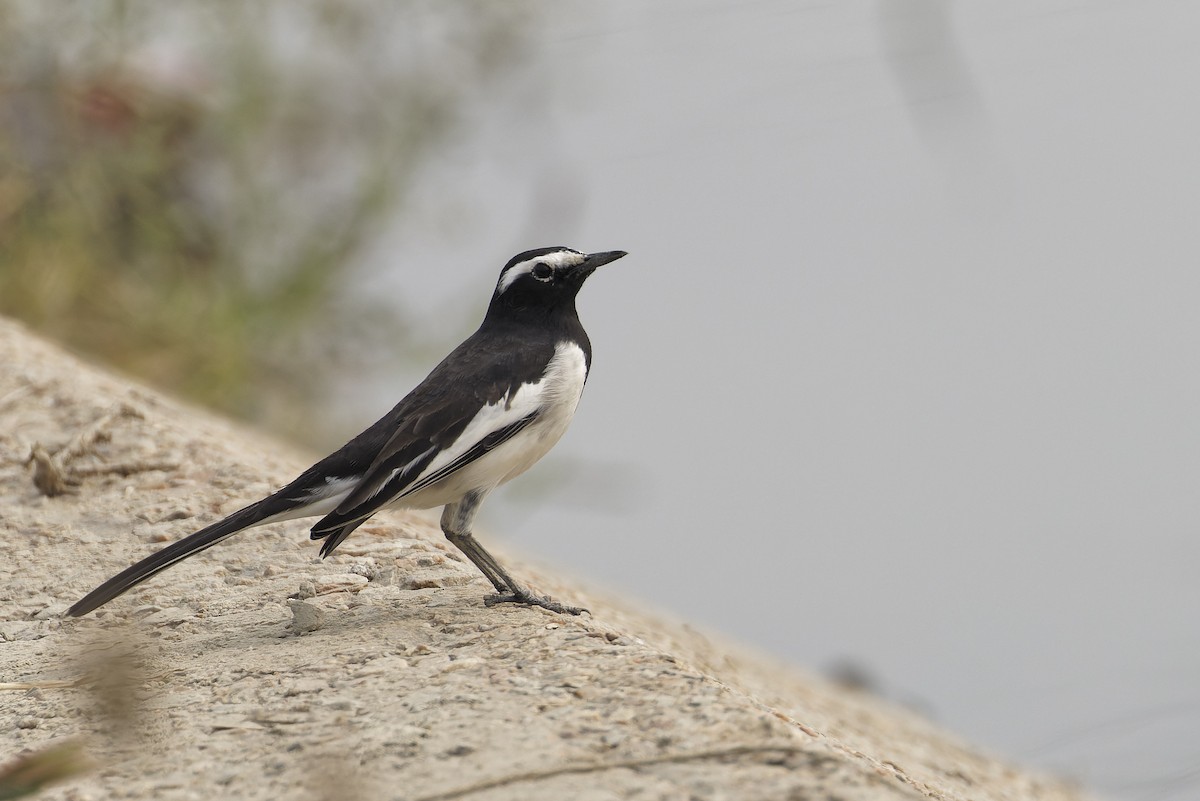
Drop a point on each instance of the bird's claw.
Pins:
(528, 598)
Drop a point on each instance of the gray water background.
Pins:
(902, 367)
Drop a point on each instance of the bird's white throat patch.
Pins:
(556, 260)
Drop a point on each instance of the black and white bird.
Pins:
(484, 416)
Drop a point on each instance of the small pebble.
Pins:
(305, 616)
(27, 723)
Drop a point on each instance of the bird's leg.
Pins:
(456, 524)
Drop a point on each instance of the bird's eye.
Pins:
(542, 271)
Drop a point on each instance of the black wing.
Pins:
(480, 372)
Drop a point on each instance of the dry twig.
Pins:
(595, 767)
(53, 474)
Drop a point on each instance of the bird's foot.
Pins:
(524, 596)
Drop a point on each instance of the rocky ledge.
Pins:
(255, 671)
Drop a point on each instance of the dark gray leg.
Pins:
(456, 525)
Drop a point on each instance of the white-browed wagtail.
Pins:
(486, 414)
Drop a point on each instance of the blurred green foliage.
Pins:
(185, 186)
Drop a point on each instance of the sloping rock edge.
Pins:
(255, 671)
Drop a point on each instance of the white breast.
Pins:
(554, 398)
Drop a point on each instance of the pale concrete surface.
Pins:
(398, 682)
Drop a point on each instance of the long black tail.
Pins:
(130, 577)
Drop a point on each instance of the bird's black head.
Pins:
(546, 279)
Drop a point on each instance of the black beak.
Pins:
(593, 260)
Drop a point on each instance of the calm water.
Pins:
(902, 367)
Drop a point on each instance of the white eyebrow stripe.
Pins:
(562, 258)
